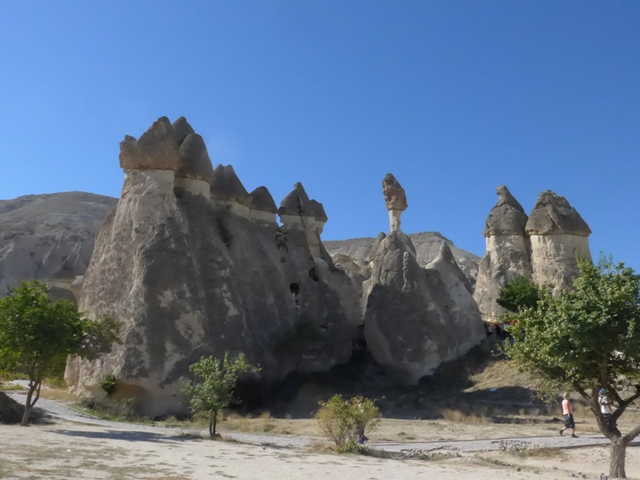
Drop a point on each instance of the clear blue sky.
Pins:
(454, 98)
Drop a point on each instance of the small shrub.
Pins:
(108, 384)
(346, 421)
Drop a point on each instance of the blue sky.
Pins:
(454, 98)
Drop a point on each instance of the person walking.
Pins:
(567, 414)
(605, 406)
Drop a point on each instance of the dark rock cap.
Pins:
(168, 147)
(507, 217)
(297, 203)
(318, 211)
(262, 200)
(227, 186)
(394, 195)
(156, 149)
(552, 215)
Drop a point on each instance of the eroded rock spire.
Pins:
(396, 200)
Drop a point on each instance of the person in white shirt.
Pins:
(605, 406)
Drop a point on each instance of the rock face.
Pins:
(195, 270)
(49, 237)
(543, 247)
(558, 236)
(396, 200)
(427, 245)
(416, 318)
(506, 256)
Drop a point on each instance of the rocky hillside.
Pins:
(427, 248)
(49, 237)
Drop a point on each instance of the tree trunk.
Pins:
(618, 453)
(215, 421)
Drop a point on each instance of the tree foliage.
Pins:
(37, 335)
(519, 293)
(344, 421)
(214, 385)
(588, 338)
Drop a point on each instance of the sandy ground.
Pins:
(64, 450)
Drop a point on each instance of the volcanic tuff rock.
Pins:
(558, 236)
(506, 255)
(396, 200)
(195, 271)
(543, 247)
(414, 319)
(427, 245)
(49, 237)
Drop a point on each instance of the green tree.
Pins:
(345, 422)
(519, 293)
(37, 335)
(588, 338)
(213, 388)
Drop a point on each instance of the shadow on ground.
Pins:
(127, 436)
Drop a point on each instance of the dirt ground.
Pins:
(63, 450)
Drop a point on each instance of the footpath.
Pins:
(56, 410)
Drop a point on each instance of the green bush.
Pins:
(108, 384)
(344, 422)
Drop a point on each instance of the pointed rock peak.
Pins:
(296, 203)
(227, 186)
(262, 200)
(376, 244)
(446, 254)
(553, 215)
(181, 129)
(156, 149)
(507, 217)
(394, 194)
(507, 199)
(318, 211)
(194, 158)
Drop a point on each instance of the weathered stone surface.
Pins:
(49, 237)
(227, 186)
(552, 215)
(297, 203)
(157, 149)
(394, 195)
(507, 217)
(318, 211)
(194, 159)
(506, 255)
(192, 276)
(408, 327)
(427, 245)
(262, 200)
(415, 318)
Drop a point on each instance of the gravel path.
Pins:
(58, 410)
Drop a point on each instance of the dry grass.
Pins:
(461, 417)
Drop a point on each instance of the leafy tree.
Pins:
(37, 335)
(214, 386)
(588, 338)
(344, 422)
(519, 293)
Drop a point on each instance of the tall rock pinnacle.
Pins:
(396, 200)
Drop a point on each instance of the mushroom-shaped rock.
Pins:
(297, 203)
(156, 149)
(507, 217)
(262, 200)
(552, 215)
(394, 194)
(396, 200)
(318, 211)
(194, 159)
(227, 186)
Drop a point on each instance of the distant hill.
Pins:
(427, 247)
(50, 236)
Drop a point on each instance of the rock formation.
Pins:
(414, 319)
(49, 237)
(558, 236)
(427, 245)
(506, 255)
(543, 247)
(194, 265)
